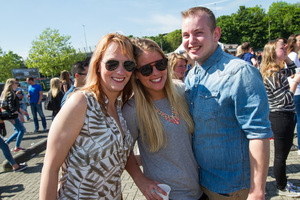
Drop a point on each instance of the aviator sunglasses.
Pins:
(146, 70)
(112, 65)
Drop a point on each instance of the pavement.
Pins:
(25, 184)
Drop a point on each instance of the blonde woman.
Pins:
(65, 81)
(88, 138)
(282, 109)
(56, 95)
(158, 119)
(13, 106)
(178, 65)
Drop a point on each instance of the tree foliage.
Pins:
(52, 53)
(9, 61)
(252, 24)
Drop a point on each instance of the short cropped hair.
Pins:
(196, 10)
(78, 67)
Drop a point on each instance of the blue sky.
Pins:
(23, 21)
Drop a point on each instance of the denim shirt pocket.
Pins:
(208, 105)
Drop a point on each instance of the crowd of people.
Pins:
(202, 120)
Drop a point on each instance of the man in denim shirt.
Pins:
(229, 105)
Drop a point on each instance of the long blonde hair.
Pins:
(148, 118)
(93, 79)
(54, 86)
(8, 88)
(268, 64)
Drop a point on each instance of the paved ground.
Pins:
(25, 185)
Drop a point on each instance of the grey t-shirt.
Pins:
(174, 164)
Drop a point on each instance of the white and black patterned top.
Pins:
(278, 90)
(96, 160)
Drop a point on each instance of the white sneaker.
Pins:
(289, 192)
(298, 152)
(294, 148)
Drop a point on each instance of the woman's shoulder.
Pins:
(129, 107)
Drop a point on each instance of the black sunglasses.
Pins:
(146, 70)
(82, 73)
(112, 65)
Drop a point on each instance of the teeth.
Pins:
(118, 79)
(194, 48)
(156, 80)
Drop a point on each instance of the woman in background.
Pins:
(65, 81)
(178, 64)
(282, 109)
(56, 95)
(13, 106)
(293, 47)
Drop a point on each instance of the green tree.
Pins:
(52, 53)
(174, 40)
(9, 61)
(284, 19)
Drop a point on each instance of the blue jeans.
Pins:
(19, 132)
(5, 149)
(37, 108)
(297, 104)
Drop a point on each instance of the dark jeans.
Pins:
(283, 128)
(37, 108)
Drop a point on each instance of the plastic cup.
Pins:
(165, 188)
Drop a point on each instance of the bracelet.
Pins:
(296, 82)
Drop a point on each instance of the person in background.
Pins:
(248, 54)
(158, 119)
(282, 109)
(5, 149)
(35, 95)
(178, 65)
(88, 138)
(56, 95)
(13, 106)
(229, 105)
(190, 63)
(293, 47)
(79, 71)
(65, 81)
(23, 100)
(239, 51)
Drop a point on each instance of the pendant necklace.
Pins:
(174, 118)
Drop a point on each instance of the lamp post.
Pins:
(161, 35)
(85, 38)
(270, 30)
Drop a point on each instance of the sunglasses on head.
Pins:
(146, 70)
(112, 65)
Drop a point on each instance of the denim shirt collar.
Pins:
(211, 61)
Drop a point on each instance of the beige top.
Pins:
(96, 160)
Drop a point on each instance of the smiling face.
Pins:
(154, 83)
(198, 39)
(113, 82)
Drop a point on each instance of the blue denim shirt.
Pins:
(229, 105)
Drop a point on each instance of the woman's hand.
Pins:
(149, 187)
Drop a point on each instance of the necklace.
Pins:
(174, 118)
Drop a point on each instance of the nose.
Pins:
(155, 71)
(120, 69)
